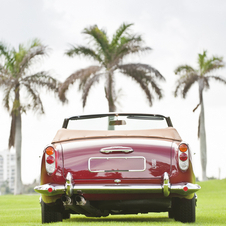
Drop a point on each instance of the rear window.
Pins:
(118, 122)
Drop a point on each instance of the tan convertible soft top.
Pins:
(64, 135)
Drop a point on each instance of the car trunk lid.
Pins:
(111, 158)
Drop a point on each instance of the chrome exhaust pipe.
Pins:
(90, 210)
(66, 200)
(80, 200)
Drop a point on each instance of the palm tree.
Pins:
(110, 55)
(203, 75)
(15, 79)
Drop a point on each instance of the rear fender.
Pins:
(178, 175)
(54, 178)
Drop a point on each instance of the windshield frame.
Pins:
(81, 117)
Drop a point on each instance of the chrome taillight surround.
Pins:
(183, 164)
(50, 167)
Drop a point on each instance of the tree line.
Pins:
(109, 55)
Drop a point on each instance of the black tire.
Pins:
(170, 214)
(66, 215)
(184, 209)
(49, 215)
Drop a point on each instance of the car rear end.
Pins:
(117, 172)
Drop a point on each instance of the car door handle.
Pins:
(109, 150)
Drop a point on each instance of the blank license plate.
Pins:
(117, 164)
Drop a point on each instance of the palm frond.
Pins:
(8, 55)
(4, 50)
(5, 77)
(184, 84)
(158, 91)
(143, 78)
(150, 71)
(196, 107)
(88, 84)
(213, 64)
(85, 51)
(184, 70)
(217, 78)
(130, 45)
(42, 80)
(100, 40)
(75, 76)
(206, 83)
(118, 34)
(190, 80)
(147, 69)
(34, 43)
(37, 81)
(36, 103)
(8, 83)
(201, 61)
(126, 50)
(145, 88)
(138, 49)
(6, 99)
(29, 56)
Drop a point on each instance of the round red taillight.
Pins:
(50, 190)
(50, 150)
(50, 159)
(183, 157)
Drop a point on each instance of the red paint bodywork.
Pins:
(161, 156)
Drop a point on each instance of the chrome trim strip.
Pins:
(179, 189)
(56, 189)
(166, 188)
(116, 149)
(107, 158)
(118, 189)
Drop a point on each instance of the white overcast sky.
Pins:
(176, 30)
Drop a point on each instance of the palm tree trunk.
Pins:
(110, 92)
(202, 132)
(16, 113)
(18, 145)
(12, 131)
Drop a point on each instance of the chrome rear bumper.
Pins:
(165, 188)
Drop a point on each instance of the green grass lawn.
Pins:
(211, 210)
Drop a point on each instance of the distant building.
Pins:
(7, 169)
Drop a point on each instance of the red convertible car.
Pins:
(117, 163)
